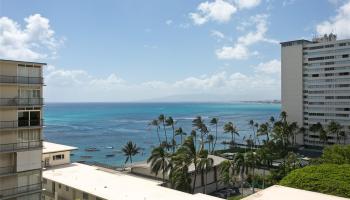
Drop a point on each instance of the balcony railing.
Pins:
(21, 124)
(19, 190)
(21, 101)
(21, 79)
(7, 170)
(20, 146)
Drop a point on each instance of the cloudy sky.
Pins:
(156, 50)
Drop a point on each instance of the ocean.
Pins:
(108, 126)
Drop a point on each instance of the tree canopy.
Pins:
(330, 179)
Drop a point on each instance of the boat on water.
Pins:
(91, 149)
(110, 155)
(109, 147)
(86, 157)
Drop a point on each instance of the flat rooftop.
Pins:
(115, 185)
(278, 192)
(21, 61)
(49, 147)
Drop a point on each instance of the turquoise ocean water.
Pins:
(110, 125)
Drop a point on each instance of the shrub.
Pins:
(336, 154)
(325, 178)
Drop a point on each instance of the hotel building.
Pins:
(316, 85)
(21, 102)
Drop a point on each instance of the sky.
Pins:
(156, 50)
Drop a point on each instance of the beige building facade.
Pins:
(316, 85)
(21, 87)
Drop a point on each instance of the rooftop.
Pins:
(278, 192)
(21, 61)
(115, 185)
(49, 147)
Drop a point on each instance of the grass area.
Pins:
(330, 179)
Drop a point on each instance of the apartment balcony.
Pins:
(18, 191)
(20, 146)
(21, 101)
(23, 124)
(21, 80)
(7, 170)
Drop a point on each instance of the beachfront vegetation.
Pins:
(130, 149)
(330, 179)
(268, 142)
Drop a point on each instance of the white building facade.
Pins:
(316, 85)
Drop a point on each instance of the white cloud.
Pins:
(168, 22)
(80, 85)
(237, 52)
(247, 4)
(217, 34)
(339, 24)
(270, 67)
(240, 49)
(35, 41)
(218, 10)
(288, 2)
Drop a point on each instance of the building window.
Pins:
(67, 188)
(59, 186)
(85, 196)
(58, 157)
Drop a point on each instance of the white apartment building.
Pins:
(21, 102)
(316, 84)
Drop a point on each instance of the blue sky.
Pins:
(215, 50)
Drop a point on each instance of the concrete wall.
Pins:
(292, 84)
(9, 69)
(53, 162)
(29, 160)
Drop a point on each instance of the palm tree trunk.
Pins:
(173, 138)
(194, 179)
(160, 142)
(206, 181)
(216, 137)
(130, 159)
(166, 137)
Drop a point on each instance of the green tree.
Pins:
(170, 122)
(181, 133)
(198, 124)
(214, 122)
(161, 119)
(229, 127)
(155, 123)
(334, 128)
(205, 163)
(159, 160)
(130, 149)
(336, 154)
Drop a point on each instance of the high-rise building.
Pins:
(21, 88)
(316, 86)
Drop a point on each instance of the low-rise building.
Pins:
(212, 180)
(63, 180)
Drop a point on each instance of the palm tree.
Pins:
(210, 140)
(205, 163)
(263, 161)
(194, 135)
(155, 123)
(318, 128)
(199, 124)
(241, 167)
(170, 122)
(161, 119)
(264, 130)
(231, 128)
(214, 121)
(180, 132)
(159, 160)
(251, 160)
(293, 130)
(227, 172)
(130, 149)
(335, 129)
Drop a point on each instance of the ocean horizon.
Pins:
(107, 126)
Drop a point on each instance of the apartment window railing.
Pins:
(20, 146)
(20, 190)
(7, 169)
(21, 101)
(21, 79)
(21, 123)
